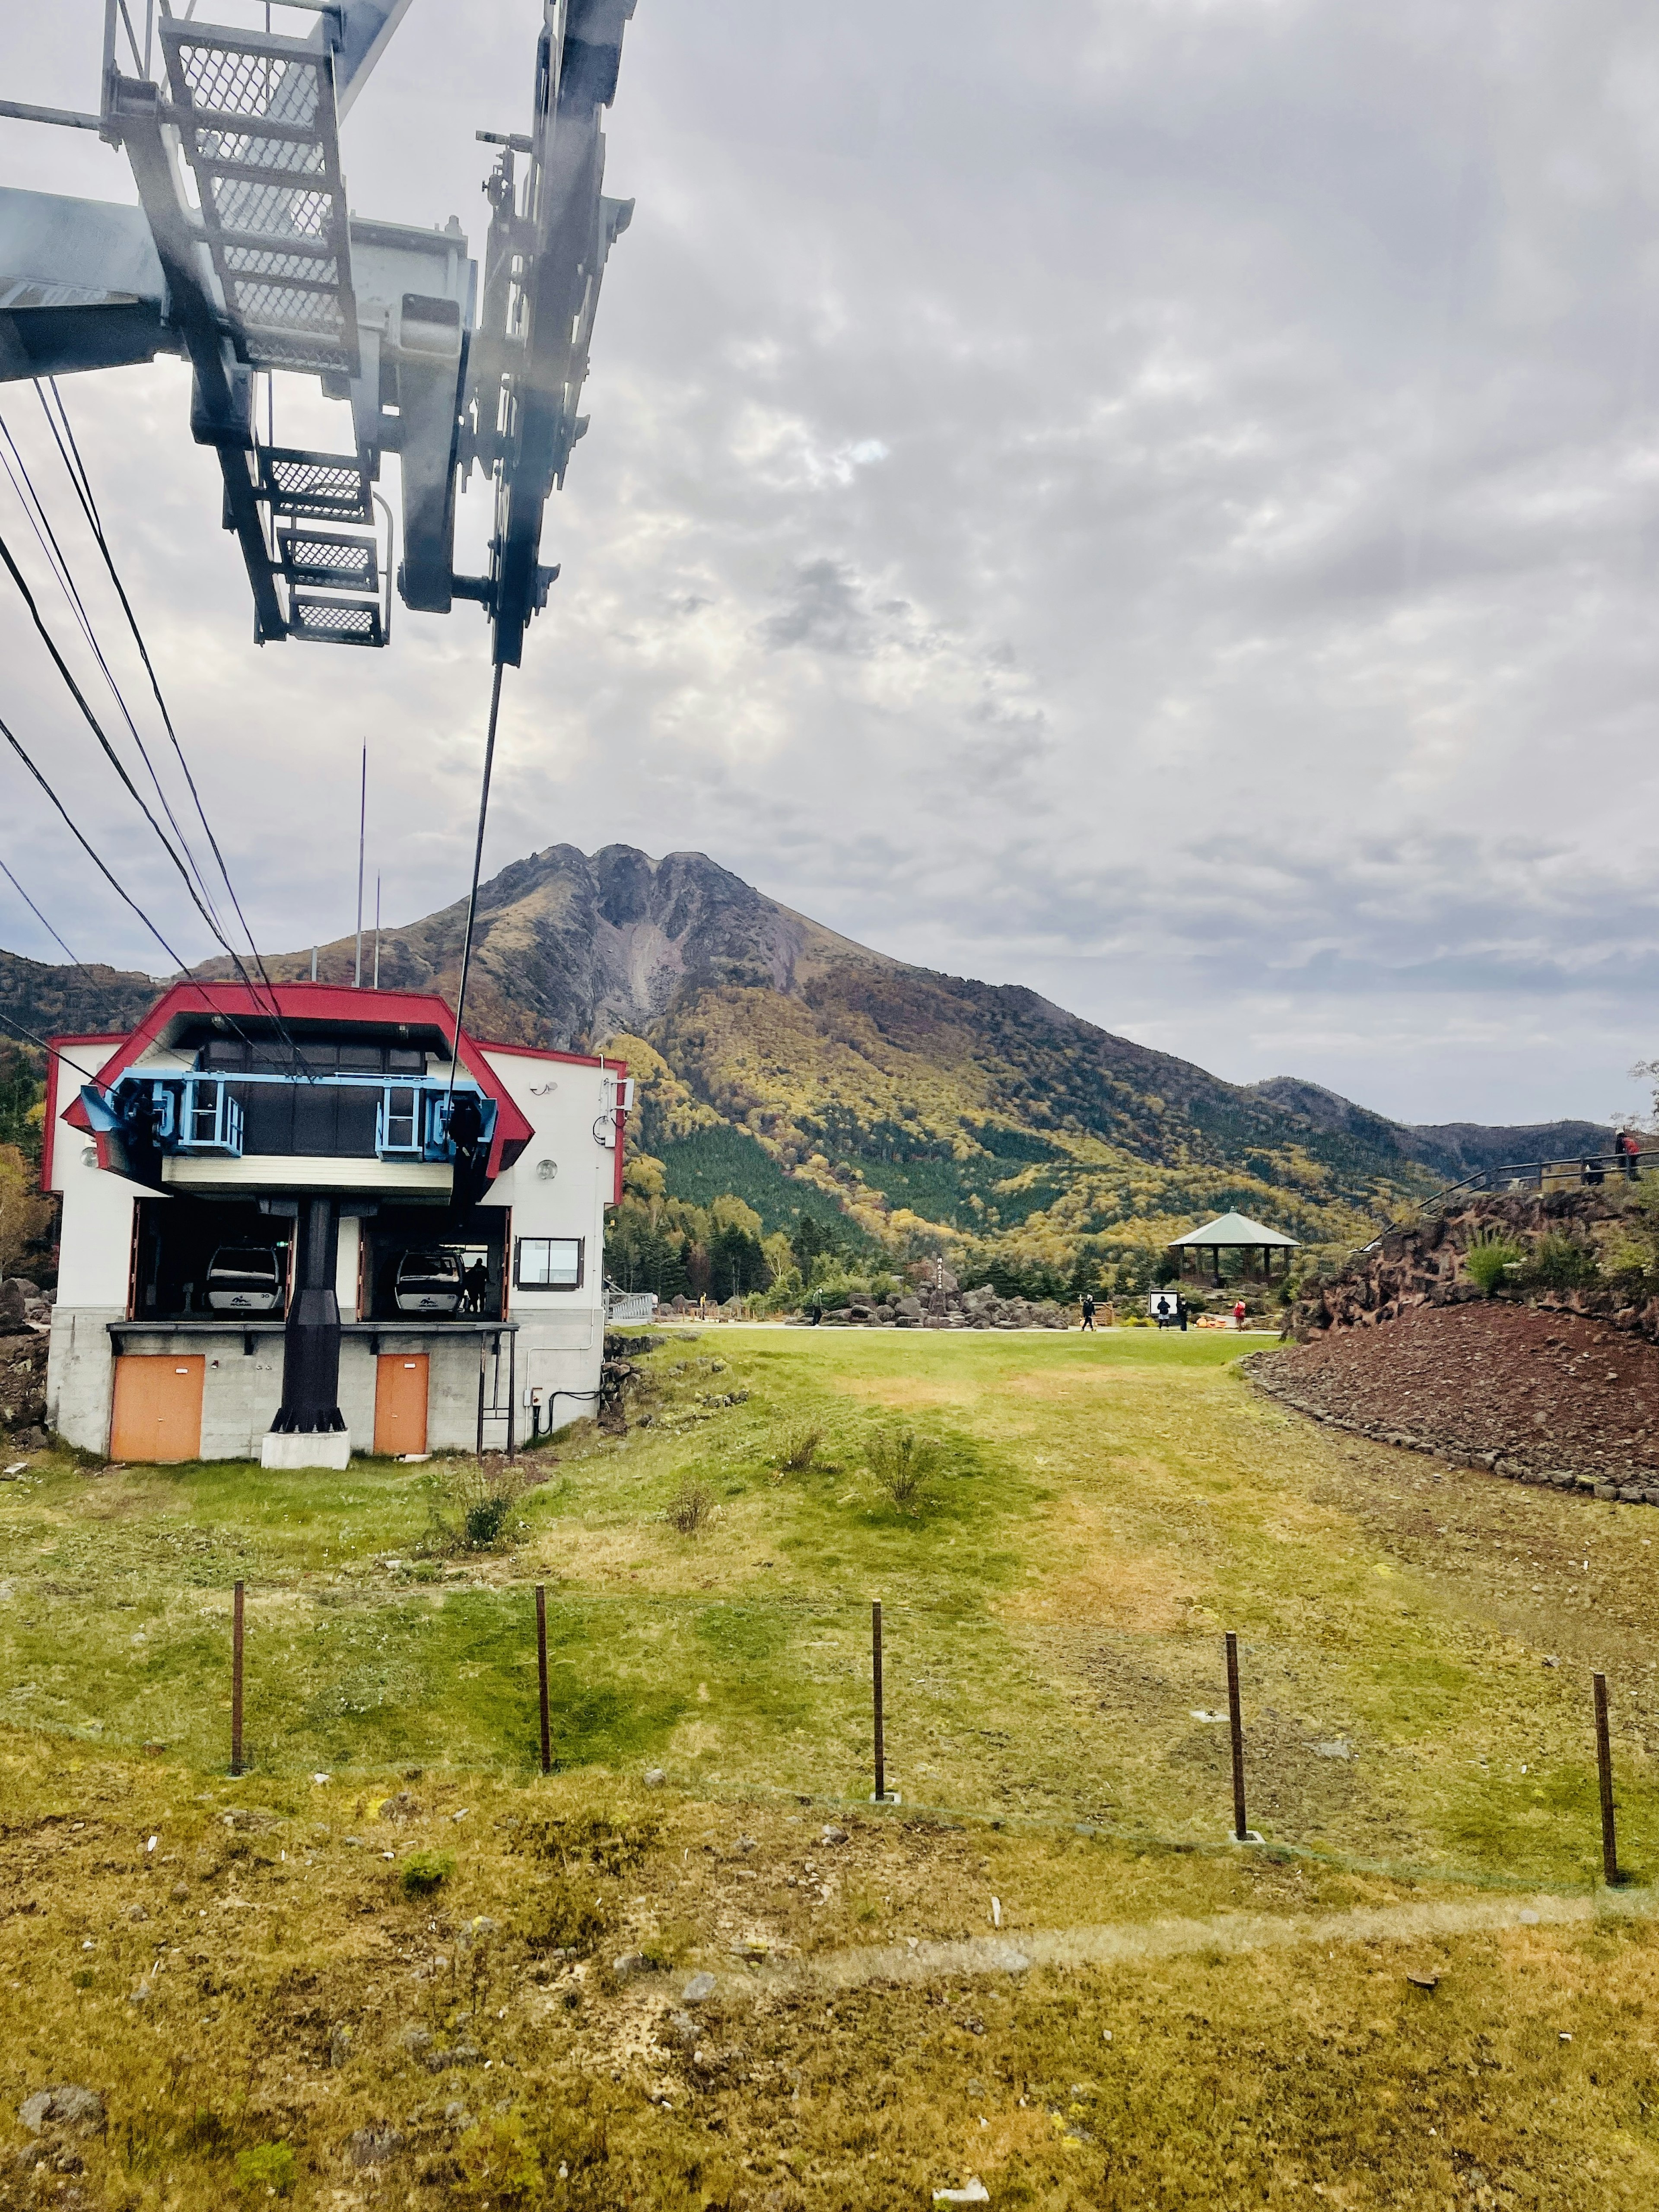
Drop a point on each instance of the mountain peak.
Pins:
(805, 1072)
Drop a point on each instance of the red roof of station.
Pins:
(331, 1005)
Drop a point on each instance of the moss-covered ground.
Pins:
(1104, 1508)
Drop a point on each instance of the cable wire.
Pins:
(91, 853)
(40, 917)
(52, 1051)
(477, 864)
(81, 481)
(98, 731)
(79, 696)
(40, 522)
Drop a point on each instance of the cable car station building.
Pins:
(305, 1221)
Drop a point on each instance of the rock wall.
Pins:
(1426, 1265)
(950, 1307)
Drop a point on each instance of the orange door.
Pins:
(157, 1417)
(400, 1403)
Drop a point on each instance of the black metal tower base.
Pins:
(311, 1344)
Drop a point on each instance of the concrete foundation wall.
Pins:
(81, 1375)
(241, 1390)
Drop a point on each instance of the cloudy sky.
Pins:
(1158, 500)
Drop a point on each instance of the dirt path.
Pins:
(1228, 1933)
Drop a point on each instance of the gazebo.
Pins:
(1231, 1232)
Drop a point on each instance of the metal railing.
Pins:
(1583, 1171)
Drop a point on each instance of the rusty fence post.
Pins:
(541, 1663)
(1604, 1775)
(236, 1683)
(1241, 1829)
(875, 1663)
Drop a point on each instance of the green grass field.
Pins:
(1054, 1603)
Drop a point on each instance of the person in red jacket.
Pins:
(1238, 1315)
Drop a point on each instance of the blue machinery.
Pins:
(152, 1118)
(259, 267)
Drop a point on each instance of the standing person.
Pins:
(1628, 1148)
(1089, 1310)
(1180, 1312)
(1238, 1315)
(474, 1283)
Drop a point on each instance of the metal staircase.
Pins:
(257, 124)
(256, 120)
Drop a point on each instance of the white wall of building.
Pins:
(560, 1335)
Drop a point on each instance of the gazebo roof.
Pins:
(1232, 1229)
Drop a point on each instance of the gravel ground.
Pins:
(1534, 1391)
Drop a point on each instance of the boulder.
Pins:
(79, 2110)
(374, 2146)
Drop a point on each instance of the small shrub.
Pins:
(690, 1509)
(484, 1522)
(1490, 1252)
(499, 2165)
(800, 1449)
(270, 2165)
(904, 1464)
(423, 1871)
(594, 1839)
(669, 1948)
(565, 1916)
(1561, 1262)
(470, 1503)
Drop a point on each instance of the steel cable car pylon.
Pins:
(267, 272)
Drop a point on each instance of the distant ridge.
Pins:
(811, 1074)
(1453, 1149)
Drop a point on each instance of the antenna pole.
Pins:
(377, 933)
(363, 826)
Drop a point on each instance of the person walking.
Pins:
(1089, 1310)
(1238, 1315)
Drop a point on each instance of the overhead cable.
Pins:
(69, 453)
(46, 1046)
(86, 846)
(79, 696)
(40, 523)
(35, 911)
(82, 482)
(478, 864)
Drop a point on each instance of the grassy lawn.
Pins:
(1054, 1609)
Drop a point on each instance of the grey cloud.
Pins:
(1165, 510)
(823, 608)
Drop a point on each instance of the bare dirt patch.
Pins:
(1547, 1389)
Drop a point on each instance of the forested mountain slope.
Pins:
(811, 1075)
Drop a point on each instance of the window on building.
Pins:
(548, 1263)
(399, 1131)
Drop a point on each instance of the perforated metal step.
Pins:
(324, 620)
(329, 558)
(331, 487)
(256, 116)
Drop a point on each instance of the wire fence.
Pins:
(538, 1721)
